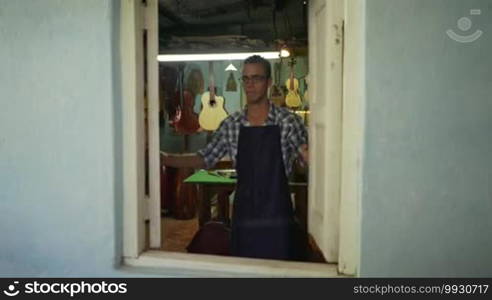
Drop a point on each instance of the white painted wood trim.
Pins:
(140, 123)
(128, 79)
(133, 155)
(147, 206)
(353, 126)
(152, 22)
(325, 132)
(224, 266)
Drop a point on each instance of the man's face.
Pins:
(255, 83)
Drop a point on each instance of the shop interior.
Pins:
(192, 198)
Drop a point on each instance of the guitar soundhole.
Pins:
(213, 103)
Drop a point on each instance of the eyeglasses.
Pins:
(253, 79)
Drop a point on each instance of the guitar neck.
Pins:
(276, 74)
(291, 64)
(292, 86)
(211, 80)
(181, 94)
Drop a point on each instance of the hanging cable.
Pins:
(285, 25)
(178, 6)
(289, 26)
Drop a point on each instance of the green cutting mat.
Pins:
(209, 177)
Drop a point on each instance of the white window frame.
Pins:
(135, 209)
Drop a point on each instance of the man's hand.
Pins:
(303, 158)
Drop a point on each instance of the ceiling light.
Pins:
(219, 56)
(284, 53)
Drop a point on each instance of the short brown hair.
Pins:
(256, 59)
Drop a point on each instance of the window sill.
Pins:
(195, 265)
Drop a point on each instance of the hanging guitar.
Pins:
(169, 78)
(213, 111)
(292, 99)
(277, 95)
(188, 119)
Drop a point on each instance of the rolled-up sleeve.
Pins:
(217, 147)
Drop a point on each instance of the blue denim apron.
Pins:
(262, 220)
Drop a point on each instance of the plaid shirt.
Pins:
(224, 142)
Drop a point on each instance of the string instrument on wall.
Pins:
(277, 95)
(180, 198)
(213, 111)
(184, 206)
(194, 82)
(292, 99)
(188, 119)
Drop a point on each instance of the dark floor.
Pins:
(177, 234)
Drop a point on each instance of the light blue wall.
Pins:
(61, 140)
(57, 138)
(427, 179)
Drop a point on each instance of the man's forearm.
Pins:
(183, 161)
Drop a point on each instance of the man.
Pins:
(263, 141)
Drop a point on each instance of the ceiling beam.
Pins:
(171, 16)
(279, 5)
(220, 10)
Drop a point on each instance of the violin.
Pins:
(293, 99)
(277, 95)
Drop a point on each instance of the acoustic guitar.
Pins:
(292, 99)
(213, 111)
(169, 78)
(277, 95)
